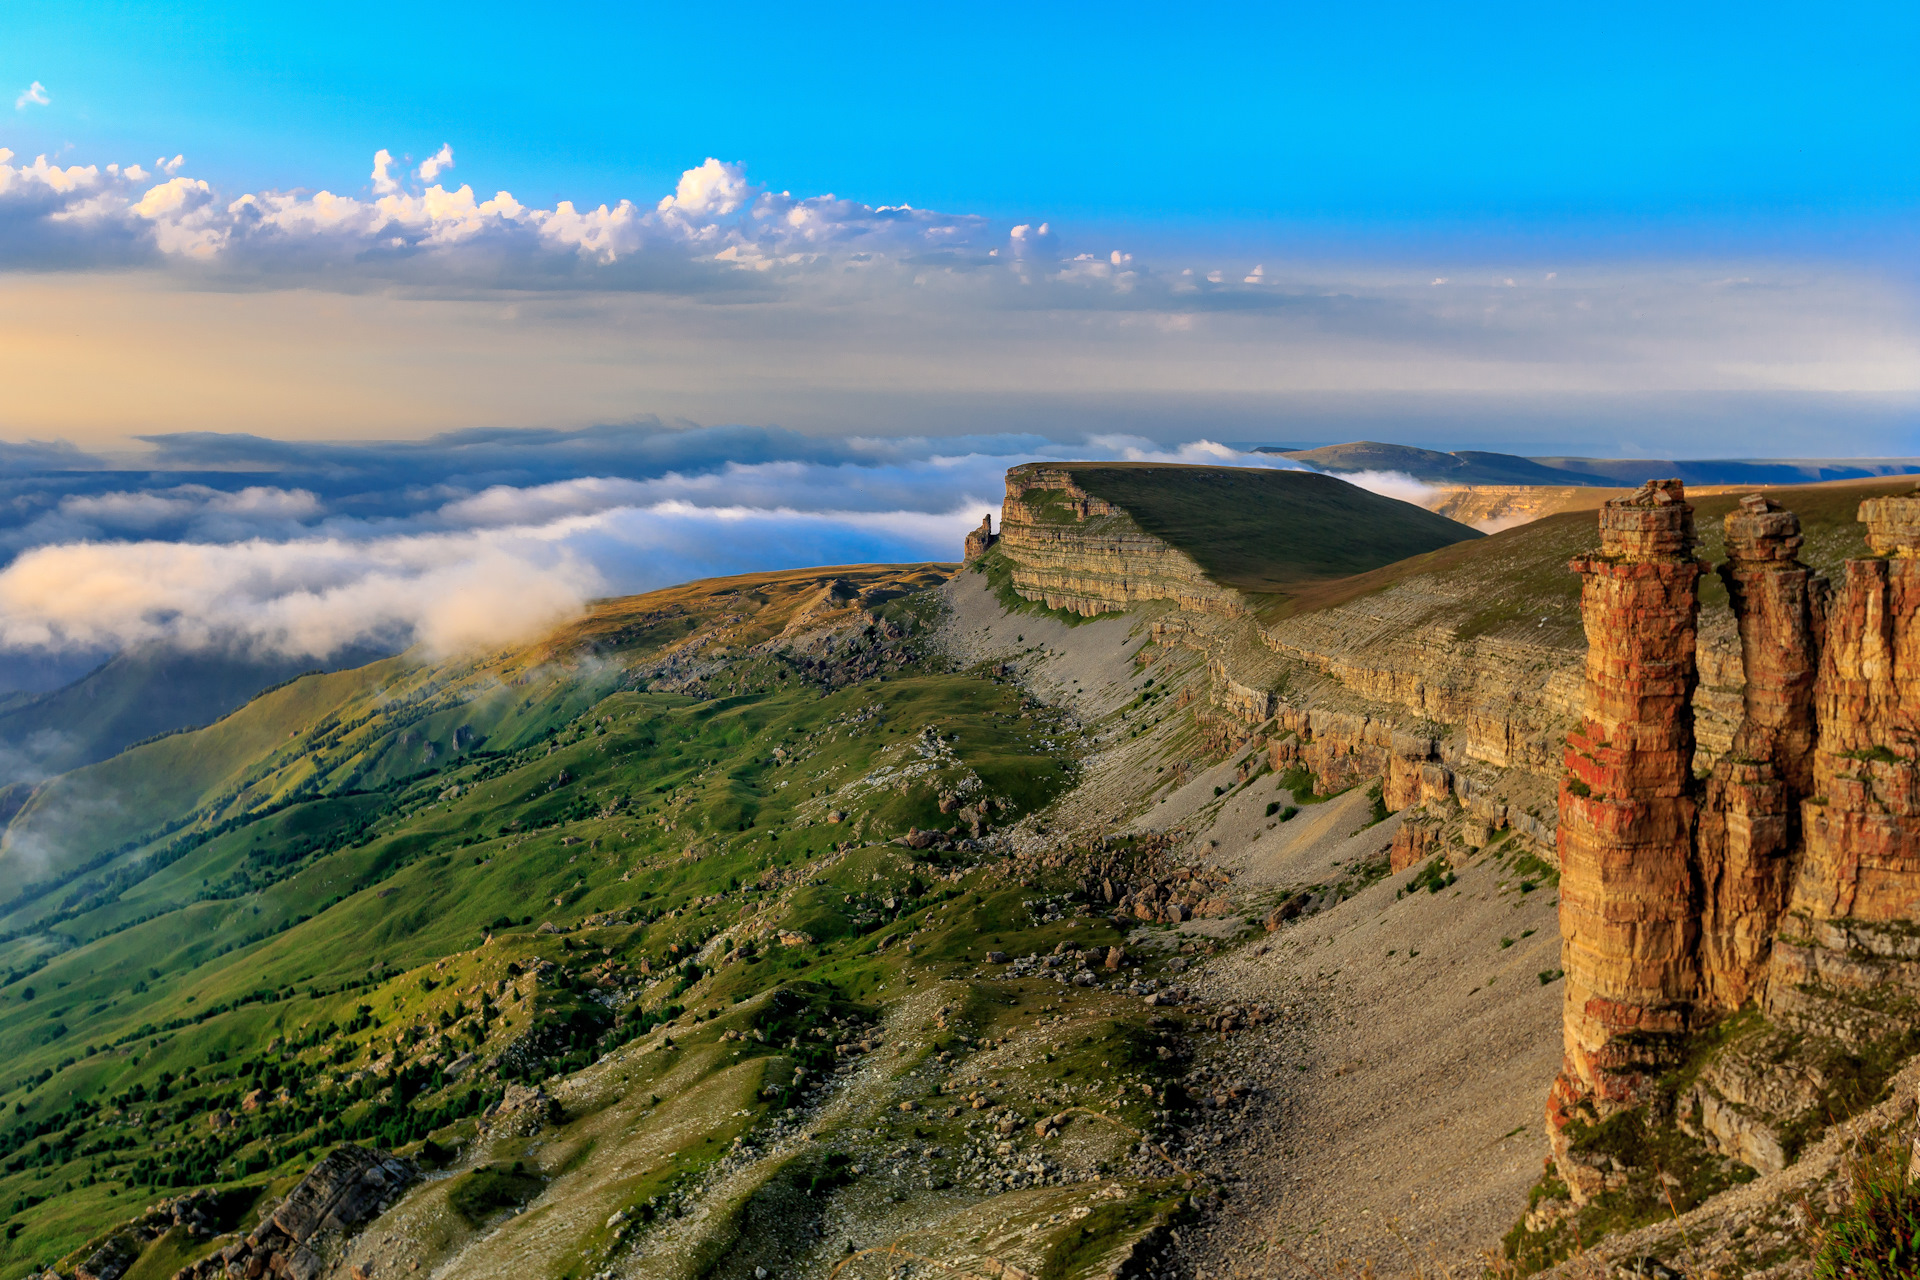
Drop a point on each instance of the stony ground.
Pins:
(1391, 1114)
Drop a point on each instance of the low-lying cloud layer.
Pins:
(477, 540)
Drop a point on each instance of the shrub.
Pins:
(1878, 1236)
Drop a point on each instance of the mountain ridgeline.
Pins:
(1176, 885)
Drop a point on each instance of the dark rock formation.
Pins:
(343, 1191)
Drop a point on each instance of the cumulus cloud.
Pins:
(436, 164)
(34, 95)
(714, 215)
(384, 183)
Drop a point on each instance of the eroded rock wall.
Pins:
(1789, 876)
(1072, 551)
(1750, 824)
(1848, 962)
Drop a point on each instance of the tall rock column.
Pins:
(1845, 961)
(1750, 826)
(1628, 920)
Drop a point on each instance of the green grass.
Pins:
(1877, 1236)
(294, 933)
(1263, 530)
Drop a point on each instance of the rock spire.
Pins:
(1789, 877)
(1628, 921)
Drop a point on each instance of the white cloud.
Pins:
(437, 163)
(1392, 484)
(272, 569)
(384, 183)
(714, 190)
(715, 215)
(34, 95)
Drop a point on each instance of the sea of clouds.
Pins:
(474, 539)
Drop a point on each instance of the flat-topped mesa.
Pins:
(1750, 826)
(1628, 923)
(1845, 961)
(1073, 551)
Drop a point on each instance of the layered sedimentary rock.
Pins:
(1849, 958)
(1072, 551)
(1675, 907)
(980, 540)
(1628, 923)
(1750, 824)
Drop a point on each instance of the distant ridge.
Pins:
(1469, 466)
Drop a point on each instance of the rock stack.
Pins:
(1790, 877)
(1848, 961)
(980, 540)
(1628, 923)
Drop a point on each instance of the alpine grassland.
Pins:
(663, 874)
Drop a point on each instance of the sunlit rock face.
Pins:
(1789, 876)
(1846, 960)
(1080, 553)
(1628, 916)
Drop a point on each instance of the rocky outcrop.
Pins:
(1750, 822)
(980, 541)
(1849, 960)
(1675, 906)
(1628, 923)
(349, 1187)
(1070, 550)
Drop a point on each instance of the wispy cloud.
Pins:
(34, 95)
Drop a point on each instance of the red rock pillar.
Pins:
(1750, 829)
(1862, 860)
(1628, 915)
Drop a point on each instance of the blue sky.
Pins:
(1316, 113)
(399, 308)
(1619, 229)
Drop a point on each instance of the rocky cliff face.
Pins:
(1848, 961)
(1076, 552)
(1788, 877)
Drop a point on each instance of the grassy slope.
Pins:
(136, 696)
(1261, 530)
(365, 728)
(1507, 581)
(327, 924)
